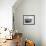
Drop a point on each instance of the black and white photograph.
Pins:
(29, 19)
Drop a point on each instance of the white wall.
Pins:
(43, 22)
(6, 13)
(37, 31)
(29, 7)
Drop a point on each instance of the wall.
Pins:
(6, 13)
(29, 7)
(43, 22)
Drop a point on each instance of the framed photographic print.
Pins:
(28, 19)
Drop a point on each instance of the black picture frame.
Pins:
(28, 19)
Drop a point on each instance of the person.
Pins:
(29, 43)
(18, 41)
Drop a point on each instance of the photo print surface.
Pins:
(28, 19)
